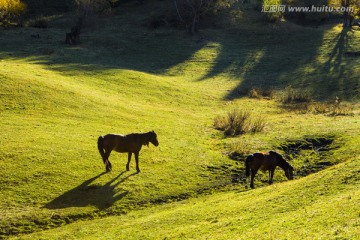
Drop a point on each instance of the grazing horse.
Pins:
(130, 143)
(267, 162)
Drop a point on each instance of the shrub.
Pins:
(254, 93)
(260, 93)
(257, 125)
(220, 123)
(238, 122)
(191, 13)
(332, 109)
(11, 10)
(319, 108)
(271, 16)
(292, 95)
(343, 110)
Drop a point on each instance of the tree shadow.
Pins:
(277, 58)
(153, 54)
(339, 79)
(255, 58)
(123, 41)
(87, 194)
(278, 63)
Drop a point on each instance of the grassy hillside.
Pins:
(321, 206)
(124, 77)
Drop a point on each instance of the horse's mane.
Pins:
(281, 161)
(143, 137)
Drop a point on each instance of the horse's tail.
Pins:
(248, 160)
(100, 144)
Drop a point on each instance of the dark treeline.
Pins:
(186, 14)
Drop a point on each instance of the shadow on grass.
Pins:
(260, 58)
(305, 58)
(337, 76)
(87, 194)
(136, 48)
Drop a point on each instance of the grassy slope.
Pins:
(54, 106)
(322, 206)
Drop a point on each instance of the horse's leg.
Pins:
(107, 163)
(137, 161)
(253, 173)
(271, 175)
(128, 163)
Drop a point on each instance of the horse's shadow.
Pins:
(87, 194)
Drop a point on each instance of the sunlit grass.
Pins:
(323, 205)
(200, 63)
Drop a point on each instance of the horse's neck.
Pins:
(283, 165)
(145, 139)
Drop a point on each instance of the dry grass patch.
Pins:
(256, 92)
(238, 122)
(332, 109)
(301, 101)
(292, 95)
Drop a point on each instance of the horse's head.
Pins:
(153, 138)
(289, 172)
(286, 166)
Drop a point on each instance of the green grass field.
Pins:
(125, 77)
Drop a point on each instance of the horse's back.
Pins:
(111, 137)
(269, 162)
(262, 161)
(124, 143)
(253, 161)
(113, 141)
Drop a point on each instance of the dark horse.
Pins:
(267, 162)
(130, 143)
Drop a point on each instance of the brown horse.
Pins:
(130, 143)
(267, 162)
